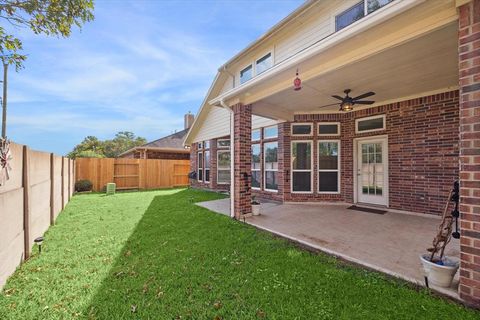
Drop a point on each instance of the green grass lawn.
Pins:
(155, 255)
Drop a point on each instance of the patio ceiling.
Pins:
(423, 65)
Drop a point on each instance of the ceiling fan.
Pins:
(348, 102)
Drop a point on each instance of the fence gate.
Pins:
(126, 174)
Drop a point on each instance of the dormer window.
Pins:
(246, 74)
(264, 63)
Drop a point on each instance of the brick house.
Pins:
(403, 150)
(170, 147)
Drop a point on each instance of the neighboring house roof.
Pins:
(170, 143)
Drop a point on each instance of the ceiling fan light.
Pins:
(346, 106)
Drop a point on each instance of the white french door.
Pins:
(372, 171)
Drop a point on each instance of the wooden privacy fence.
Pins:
(39, 187)
(133, 173)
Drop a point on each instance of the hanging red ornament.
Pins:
(297, 83)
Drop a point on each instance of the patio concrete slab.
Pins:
(390, 243)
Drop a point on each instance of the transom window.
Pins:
(223, 143)
(246, 74)
(270, 132)
(264, 63)
(370, 124)
(302, 129)
(301, 166)
(271, 166)
(358, 11)
(329, 166)
(256, 134)
(329, 129)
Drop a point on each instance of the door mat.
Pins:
(377, 211)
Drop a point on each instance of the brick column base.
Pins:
(242, 159)
(469, 80)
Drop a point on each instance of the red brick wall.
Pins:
(423, 151)
(469, 67)
(242, 161)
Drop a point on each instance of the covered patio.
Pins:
(390, 243)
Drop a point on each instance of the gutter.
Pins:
(393, 9)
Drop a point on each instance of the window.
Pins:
(200, 145)
(223, 166)
(256, 135)
(207, 166)
(256, 166)
(271, 165)
(301, 129)
(200, 166)
(349, 16)
(270, 132)
(206, 145)
(329, 129)
(246, 74)
(264, 63)
(328, 166)
(369, 124)
(301, 166)
(223, 143)
(373, 5)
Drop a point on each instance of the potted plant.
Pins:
(440, 269)
(255, 206)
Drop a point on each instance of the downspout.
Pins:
(232, 159)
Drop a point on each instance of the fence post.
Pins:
(52, 189)
(26, 202)
(69, 177)
(63, 183)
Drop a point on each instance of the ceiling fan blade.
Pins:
(364, 102)
(329, 105)
(338, 97)
(365, 95)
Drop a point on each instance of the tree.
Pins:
(123, 141)
(50, 17)
(92, 147)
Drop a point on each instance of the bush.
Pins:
(83, 185)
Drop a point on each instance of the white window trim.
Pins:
(205, 167)
(301, 124)
(260, 137)
(264, 171)
(200, 145)
(339, 130)
(222, 147)
(330, 170)
(301, 170)
(267, 138)
(384, 127)
(200, 155)
(223, 169)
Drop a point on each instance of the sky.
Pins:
(139, 67)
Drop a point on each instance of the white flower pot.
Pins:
(440, 275)
(256, 209)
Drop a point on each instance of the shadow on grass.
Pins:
(185, 262)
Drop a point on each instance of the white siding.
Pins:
(217, 124)
(306, 30)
